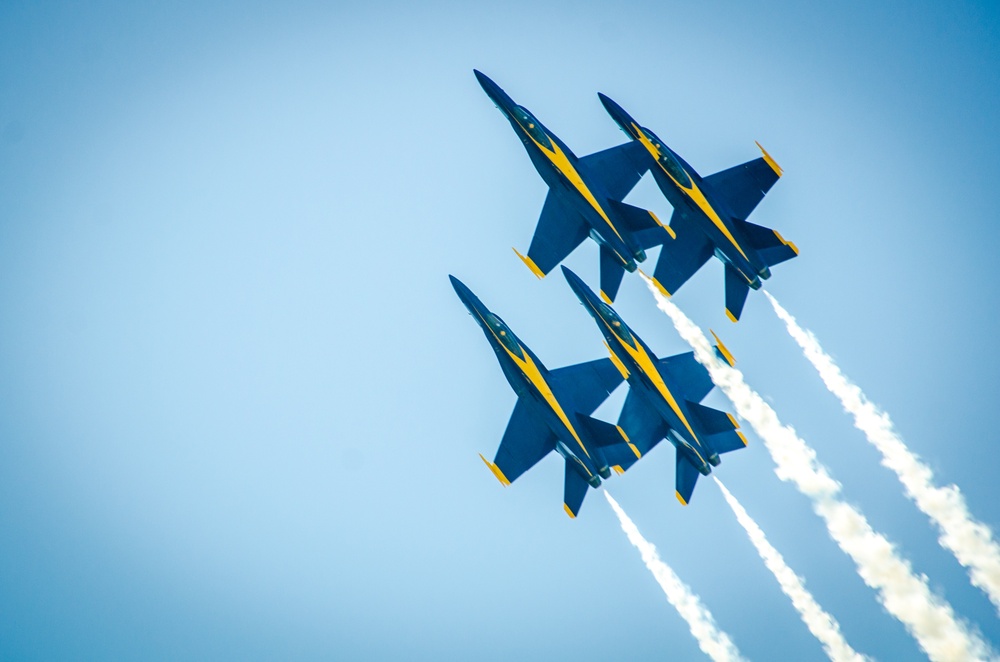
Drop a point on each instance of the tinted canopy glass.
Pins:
(504, 334)
(668, 161)
(618, 325)
(532, 126)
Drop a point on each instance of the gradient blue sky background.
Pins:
(240, 405)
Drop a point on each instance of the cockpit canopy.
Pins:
(504, 334)
(619, 327)
(668, 161)
(532, 126)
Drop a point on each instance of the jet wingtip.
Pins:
(496, 471)
(722, 350)
(771, 162)
(530, 264)
(680, 498)
(569, 511)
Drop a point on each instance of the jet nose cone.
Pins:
(463, 292)
(487, 83)
(574, 282)
(493, 91)
(617, 113)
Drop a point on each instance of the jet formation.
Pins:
(585, 199)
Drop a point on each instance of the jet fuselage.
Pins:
(529, 379)
(693, 197)
(633, 356)
(563, 172)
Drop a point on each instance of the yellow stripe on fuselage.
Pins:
(562, 164)
(645, 364)
(534, 375)
(693, 192)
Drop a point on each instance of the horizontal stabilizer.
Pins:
(681, 258)
(560, 230)
(599, 433)
(772, 247)
(687, 476)
(574, 490)
(744, 186)
(635, 218)
(712, 421)
(618, 169)
(688, 374)
(584, 386)
(724, 442)
(657, 236)
(612, 273)
(736, 293)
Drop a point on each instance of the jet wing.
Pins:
(690, 375)
(526, 441)
(683, 256)
(743, 186)
(619, 168)
(585, 386)
(644, 428)
(560, 230)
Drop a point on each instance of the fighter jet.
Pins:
(663, 400)
(584, 199)
(710, 217)
(552, 411)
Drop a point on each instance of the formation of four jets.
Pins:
(553, 410)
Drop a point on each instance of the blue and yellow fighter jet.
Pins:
(663, 399)
(552, 411)
(710, 217)
(585, 199)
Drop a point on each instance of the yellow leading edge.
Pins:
(724, 350)
(531, 264)
(771, 162)
(496, 471)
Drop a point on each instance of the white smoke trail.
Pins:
(712, 641)
(929, 619)
(969, 540)
(822, 625)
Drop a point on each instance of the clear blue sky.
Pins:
(240, 405)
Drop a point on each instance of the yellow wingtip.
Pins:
(730, 359)
(618, 470)
(662, 289)
(771, 162)
(606, 298)
(496, 471)
(680, 498)
(530, 264)
(736, 425)
(742, 438)
(569, 512)
(732, 318)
